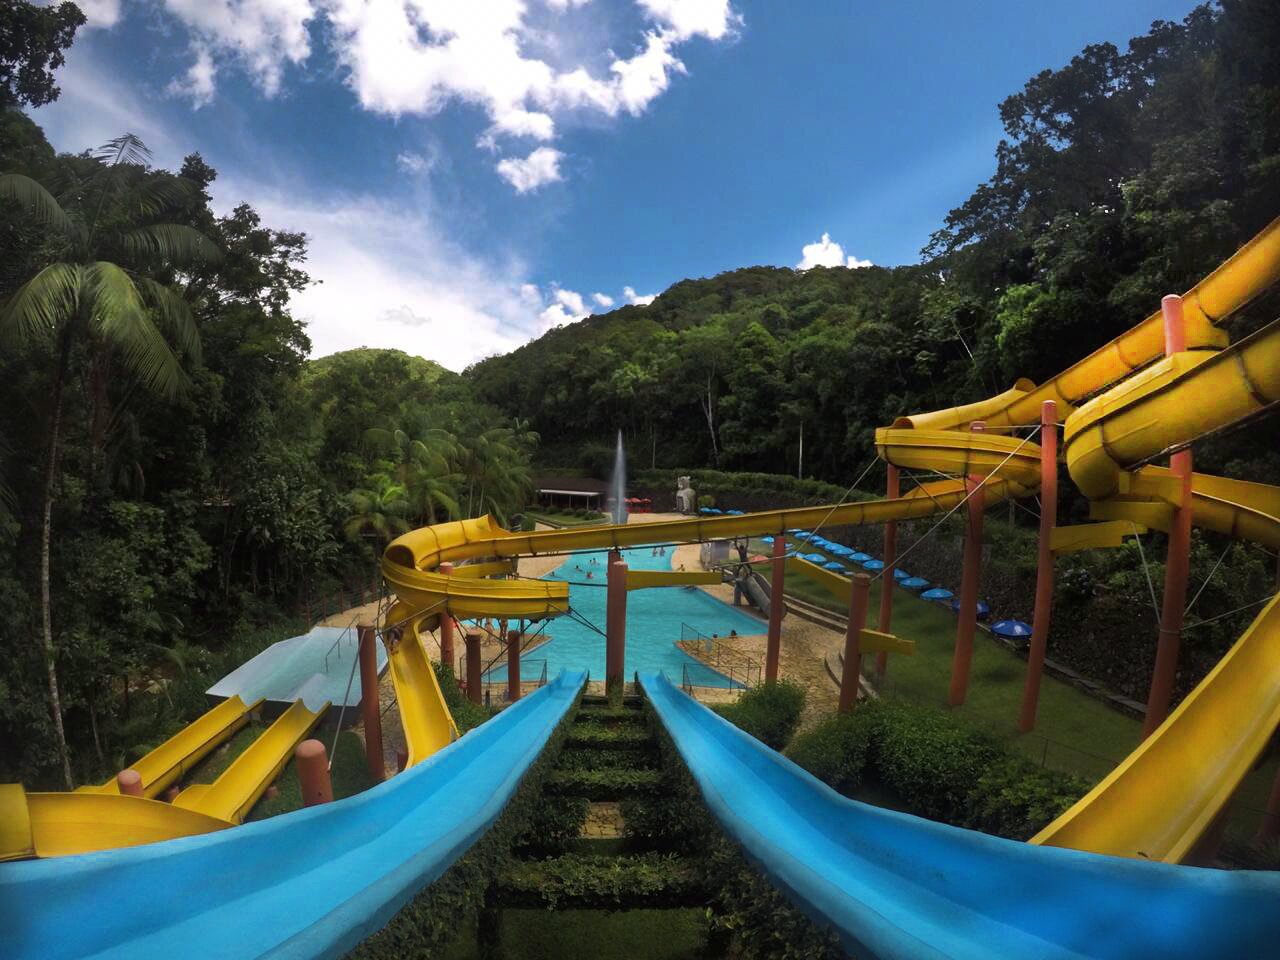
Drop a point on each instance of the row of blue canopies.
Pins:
(1013, 629)
(710, 511)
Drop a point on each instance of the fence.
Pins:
(742, 669)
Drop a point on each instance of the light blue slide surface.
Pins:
(895, 886)
(309, 884)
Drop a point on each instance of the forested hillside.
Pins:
(178, 484)
(1123, 176)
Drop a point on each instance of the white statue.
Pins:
(686, 500)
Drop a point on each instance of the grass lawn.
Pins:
(563, 520)
(594, 934)
(1074, 732)
(349, 775)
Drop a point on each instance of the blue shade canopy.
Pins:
(766, 539)
(916, 583)
(796, 531)
(1013, 629)
(837, 567)
(815, 558)
(840, 550)
(803, 535)
(859, 557)
(874, 564)
(901, 575)
(735, 513)
(984, 610)
(937, 593)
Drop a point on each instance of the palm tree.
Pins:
(378, 510)
(98, 294)
(424, 467)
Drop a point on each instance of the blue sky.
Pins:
(472, 172)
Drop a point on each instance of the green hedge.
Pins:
(606, 784)
(553, 825)
(938, 767)
(431, 920)
(577, 881)
(612, 736)
(769, 712)
(465, 713)
(598, 759)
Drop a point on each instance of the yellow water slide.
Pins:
(428, 725)
(168, 762)
(232, 795)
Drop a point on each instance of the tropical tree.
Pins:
(99, 298)
(378, 510)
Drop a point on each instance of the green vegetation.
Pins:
(535, 934)
(937, 767)
(648, 879)
(465, 713)
(769, 712)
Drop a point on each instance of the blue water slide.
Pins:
(310, 884)
(895, 886)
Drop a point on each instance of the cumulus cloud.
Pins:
(197, 84)
(539, 168)
(567, 306)
(415, 57)
(603, 299)
(635, 299)
(827, 253)
(100, 13)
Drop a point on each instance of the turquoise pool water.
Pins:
(655, 619)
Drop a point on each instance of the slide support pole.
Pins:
(447, 634)
(1044, 564)
(130, 783)
(313, 773)
(474, 667)
(1178, 562)
(776, 607)
(370, 708)
(859, 600)
(970, 578)
(891, 492)
(513, 666)
(616, 627)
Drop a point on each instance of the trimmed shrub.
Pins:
(583, 881)
(465, 713)
(837, 750)
(769, 712)
(554, 824)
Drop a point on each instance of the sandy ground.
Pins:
(804, 647)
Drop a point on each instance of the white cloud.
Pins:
(198, 83)
(540, 167)
(603, 299)
(566, 4)
(827, 253)
(265, 35)
(682, 19)
(100, 13)
(567, 306)
(635, 299)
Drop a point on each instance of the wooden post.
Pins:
(474, 666)
(970, 579)
(130, 783)
(513, 666)
(891, 492)
(1044, 569)
(447, 654)
(370, 707)
(615, 655)
(313, 773)
(859, 600)
(1178, 560)
(777, 606)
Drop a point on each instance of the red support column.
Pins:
(313, 773)
(370, 708)
(447, 654)
(970, 579)
(1044, 568)
(513, 666)
(474, 666)
(1178, 561)
(130, 783)
(777, 607)
(615, 653)
(886, 587)
(859, 600)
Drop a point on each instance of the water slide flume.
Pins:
(311, 884)
(895, 887)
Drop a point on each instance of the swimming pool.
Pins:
(654, 622)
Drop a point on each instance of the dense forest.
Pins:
(174, 474)
(178, 478)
